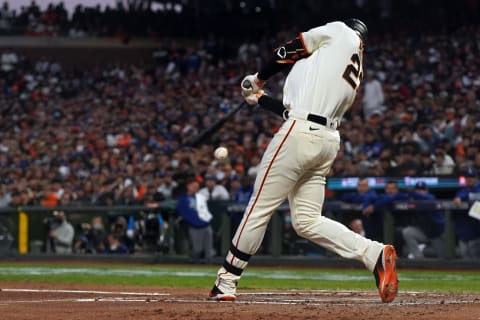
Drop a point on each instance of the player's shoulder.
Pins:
(336, 28)
(332, 26)
(336, 25)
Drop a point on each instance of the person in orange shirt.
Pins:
(52, 197)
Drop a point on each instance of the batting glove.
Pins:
(251, 84)
(253, 98)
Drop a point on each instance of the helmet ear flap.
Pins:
(359, 27)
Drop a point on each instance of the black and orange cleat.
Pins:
(386, 275)
(217, 295)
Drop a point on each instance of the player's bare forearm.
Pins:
(284, 57)
(273, 105)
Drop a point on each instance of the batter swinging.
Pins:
(319, 89)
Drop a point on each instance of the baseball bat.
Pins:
(214, 127)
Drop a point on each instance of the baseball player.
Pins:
(326, 69)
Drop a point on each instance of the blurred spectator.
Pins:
(356, 225)
(387, 163)
(152, 196)
(373, 98)
(212, 190)
(156, 235)
(126, 195)
(245, 189)
(27, 197)
(117, 237)
(168, 185)
(408, 164)
(192, 207)
(364, 196)
(16, 199)
(426, 166)
(467, 228)
(425, 228)
(372, 146)
(92, 237)
(8, 60)
(290, 237)
(60, 233)
(104, 195)
(234, 187)
(5, 17)
(241, 190)
(5, 196)
(116, 245)
(443, 163)
(373, 221)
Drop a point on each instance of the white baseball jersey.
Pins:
(300, 155)
(325, 82)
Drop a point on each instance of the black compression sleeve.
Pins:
(271, 68)
(272, 105)
(284, 56)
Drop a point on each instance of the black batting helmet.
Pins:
(359, 27)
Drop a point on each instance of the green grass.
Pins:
(254, 277)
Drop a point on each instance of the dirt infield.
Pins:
(47, 301)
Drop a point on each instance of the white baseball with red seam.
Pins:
(221, 153)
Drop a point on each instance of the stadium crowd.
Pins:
(134, 17)
(129, 18)
(118, 134)
(104, 135)
(253, 18)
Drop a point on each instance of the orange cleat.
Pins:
(386, 275)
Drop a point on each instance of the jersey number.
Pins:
(353, 72)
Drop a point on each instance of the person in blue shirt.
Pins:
(372, 145)
(245, 190)
(425, 227)
(241, 194)
(192, 207)
(467, 228)
(364, 195)
(373, 221)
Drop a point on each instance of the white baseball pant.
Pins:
(294, 166)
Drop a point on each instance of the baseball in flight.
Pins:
(221, 153)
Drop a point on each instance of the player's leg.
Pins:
(276, 177)
(306, 205)
(306, 202)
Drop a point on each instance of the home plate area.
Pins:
(46, 301)
(290, 297)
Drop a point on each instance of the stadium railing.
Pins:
(26, 224)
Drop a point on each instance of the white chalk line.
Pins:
(370, 302)
(87, 292)
(113, 299)
(322, 302)
(315, 298)
(266, 293)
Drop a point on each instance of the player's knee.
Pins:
(304, 225)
